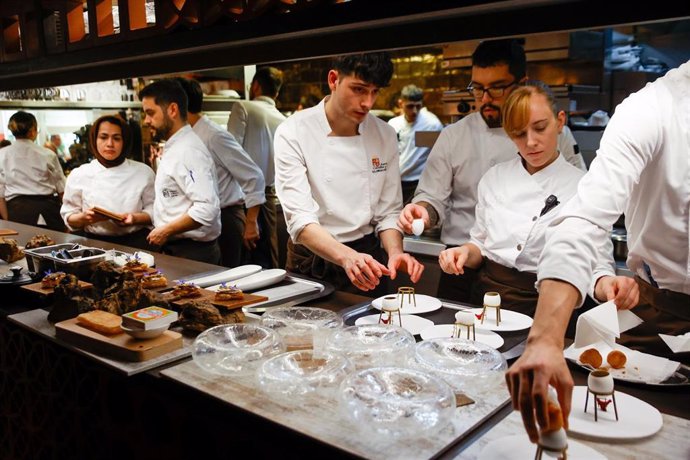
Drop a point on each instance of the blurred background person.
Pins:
(31, 179)
(113, 182)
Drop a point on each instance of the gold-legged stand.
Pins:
(498, 313)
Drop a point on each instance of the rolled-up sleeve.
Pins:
(72, 201)
(389, 205)
(196, 176)
(479, 232)
(236, 160)
(436, 182)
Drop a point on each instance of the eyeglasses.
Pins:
(413, 105)
(494, 91)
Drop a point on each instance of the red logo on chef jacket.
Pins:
(377, 166)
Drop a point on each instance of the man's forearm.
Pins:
(392, 241)
(253, 214)
(182, 224)
(433, 213)
(557, 299)
(322, 243)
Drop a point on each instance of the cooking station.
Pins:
(61, 401)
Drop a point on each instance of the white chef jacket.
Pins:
(123, 189)
(642, 168)
(462, 154)
(413, 158)
(349, 185)
(240, 180)
(567, 145)
(509, 228)
(186, 183)
(28, 169)
(254, 123)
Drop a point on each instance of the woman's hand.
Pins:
(452, 261)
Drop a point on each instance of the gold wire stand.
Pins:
(457, 333)
(541, 449)
(498, 313)
(411, 297)
(598, 396)
(390, 312)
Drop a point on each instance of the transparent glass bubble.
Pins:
(232, 349)
(300, 327)
(372, 345)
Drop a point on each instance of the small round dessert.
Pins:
(592, 357)
(186, 290)
(225, 293)
(616, 359)
(51, 280)
(154, 280)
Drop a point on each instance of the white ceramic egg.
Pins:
(417, 226)
(465, 317)
(556, 440)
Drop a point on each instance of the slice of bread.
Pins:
(101, 321)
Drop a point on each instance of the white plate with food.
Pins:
(412, 305)
(227, 275)
(510, 320)
(484, 336)
(261, 279)
(519, 446)
(636, 418)
(414, 324)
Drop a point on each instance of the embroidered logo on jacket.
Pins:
(377, 166)
(168, 193)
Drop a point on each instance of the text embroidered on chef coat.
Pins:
(377, 166)
(168, 193)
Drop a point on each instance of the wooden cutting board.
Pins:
(37, 289)
(237, 303)
(8, 232)
(121, 346)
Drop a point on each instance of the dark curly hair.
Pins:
(376, 68)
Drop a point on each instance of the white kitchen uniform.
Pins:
(240, 180)
(254, 123)
(462, 154)
(123, 189)
(28, 169)
(186, 184)
(509, 229)
(642, 168)
(348, 185)
(568, 147)
(413, 158)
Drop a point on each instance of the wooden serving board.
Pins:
(121, 346)
(37, 289)
(8, 232)
(237, 303)
(179, 301)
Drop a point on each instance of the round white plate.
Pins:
(484, 336)
(519, 446)
(414, 324)
(227, 275)
(510, 320)
(261, 279)
(636, 418)
(425, 304)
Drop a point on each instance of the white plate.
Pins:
(259, 280)
(227, 275)
(510, 320)
(519, 446)
(425, 304)
(446, 330)
(636, 418)
(414, 324)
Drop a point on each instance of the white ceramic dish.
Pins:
(425, 304)
(636, 418)
(261, 279)
(227, 275)
(413, 324)
(510, 320)
(519, 446)
(484, 336)
(142, 334)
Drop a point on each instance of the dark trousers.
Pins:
(203, 251)
(135, 240)
(515, 287)
(266, 251)
(301, 260)
(408, 189)
(231, 239)
(25, 209)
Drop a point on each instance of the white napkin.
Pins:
(603, 323)
(678, 343)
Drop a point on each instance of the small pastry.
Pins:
(52, 279)
(135, 265)
(228, 293)
(616, 359)
(154, 280)
(555, 418)
(186, 290)
(592, 357)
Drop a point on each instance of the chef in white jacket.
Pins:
(517, 200)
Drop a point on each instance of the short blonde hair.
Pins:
(516, 108)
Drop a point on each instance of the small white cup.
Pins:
(417, 227)
(492, 299)
(600, 382)
(390, 303)
(465, 317)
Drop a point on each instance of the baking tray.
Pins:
(85, 259)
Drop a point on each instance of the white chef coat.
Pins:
(28, 169)
(349, 185)
(240, 180)
(254, 123)
(462, 154)
(186, 184)
(509, 229)
(413, 158)
(123, 189)
(642, 168)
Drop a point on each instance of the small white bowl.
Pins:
(142, 334)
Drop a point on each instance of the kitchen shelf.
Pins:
(68, 105)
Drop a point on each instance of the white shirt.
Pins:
(186, 184)
(642, 168)
(28, 169)
(254, 123)
(240, 180)
(509, 228)
(123, 189)
(413, 158)
(567, 145)
(462, 154)
(348, 185)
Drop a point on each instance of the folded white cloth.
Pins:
(603, 323)
(677, 344)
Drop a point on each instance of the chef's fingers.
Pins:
(418, 270)
(513, 382)
(527, 404)
(565, 396)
